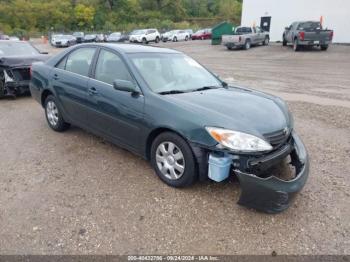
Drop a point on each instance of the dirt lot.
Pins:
(73, 193)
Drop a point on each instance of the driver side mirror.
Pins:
(124, 85)
(287, 28)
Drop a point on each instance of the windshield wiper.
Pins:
(170, 92)
(205, 88)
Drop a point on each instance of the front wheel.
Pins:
(186, 38)
(157, 39)
(173, 160)
(54, 116)
(144, 41)
(175, 39)
(284, 41)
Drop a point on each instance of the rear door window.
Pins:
(79, 61)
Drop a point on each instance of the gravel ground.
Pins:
(74, 193)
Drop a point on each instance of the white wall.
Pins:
(336, 15)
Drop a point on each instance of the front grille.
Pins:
(58, 43)
(278, 137)
(21, 74)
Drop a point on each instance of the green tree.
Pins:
(84, 15)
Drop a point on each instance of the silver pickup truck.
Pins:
(307, 33)
(244, 37)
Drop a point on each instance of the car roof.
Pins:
(135, 48)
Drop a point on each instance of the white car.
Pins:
(144, 36)
(176, 35)
(53, 38)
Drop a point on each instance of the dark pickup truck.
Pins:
(307, 33)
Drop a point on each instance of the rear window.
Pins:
(243, 30)
(309, 26)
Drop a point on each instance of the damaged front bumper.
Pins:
(272, 194)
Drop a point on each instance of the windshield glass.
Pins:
(63, 37)
(17, 49)
(78, 34)
(169, 72)
(115, 34)
(139, 32)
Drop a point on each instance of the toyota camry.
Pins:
(163, 105)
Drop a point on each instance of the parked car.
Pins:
(190, 32)
(245, 37)
(64, 41)
(14, 38)
(16, 58)
(100, 38)
(79, 36)
(4, 37)
(307, 33)
(145, 36)
(166, 107)
(114, 37)
(202, 34)
(53, 38)
(176, 35)
(90, 38)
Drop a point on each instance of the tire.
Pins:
(167, 167)
(284, 41)
(186, 38)
(266, 41)
(247, 45)
(175, 39)
(229, 47)
(324, 47)
(144, 41)
(296, 47)
(202, 38)
(2, 83)
(157, 39)
(54, 116)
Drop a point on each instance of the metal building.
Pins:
(275, 15)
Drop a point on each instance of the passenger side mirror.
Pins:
(124, 85)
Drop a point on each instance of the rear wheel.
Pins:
(266, 41)
(54, 116)
(229, 47)
(173, 160)
(247, 44)
(186, 38)
(324, 47)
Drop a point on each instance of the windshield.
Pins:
(139, 32)
(199, 32)
(63, 37)
(170, 72)
(17, 49)
(78, 34)
(115, 34)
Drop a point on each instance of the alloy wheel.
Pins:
(170, 160)
(52, 113)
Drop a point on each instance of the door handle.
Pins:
(55, 77)
(92, 91)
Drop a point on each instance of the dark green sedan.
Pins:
(166, 107)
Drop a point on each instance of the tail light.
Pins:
(331, 35)
(302, 36)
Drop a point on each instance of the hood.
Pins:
(241, 110)
(18, 61)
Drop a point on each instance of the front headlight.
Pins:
(238, 141)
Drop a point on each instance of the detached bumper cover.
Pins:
(273, 195)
